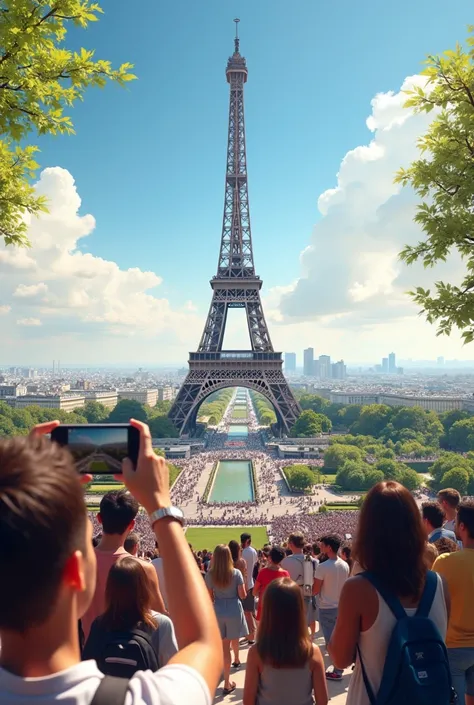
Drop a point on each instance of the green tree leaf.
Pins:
(40, 79)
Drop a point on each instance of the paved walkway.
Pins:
(337, 690)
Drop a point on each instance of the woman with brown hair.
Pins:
(389, 525)
(226, 585)
(284, 666)
(346, 555)
(238, 561)
(240, 564)
(128, 627)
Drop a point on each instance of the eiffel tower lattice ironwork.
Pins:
(235, 286)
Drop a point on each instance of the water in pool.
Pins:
(237, 430)
(233, 482)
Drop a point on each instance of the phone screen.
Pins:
(98, 450)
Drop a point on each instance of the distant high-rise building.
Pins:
(385, 365)
(316, 368)
(290, 362)
(308, 360)
(392, 364)
(338, 370)
(28, 372)
(324, 366)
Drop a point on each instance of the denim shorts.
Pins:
(461, 664)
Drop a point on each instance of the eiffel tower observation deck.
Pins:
(235, 285)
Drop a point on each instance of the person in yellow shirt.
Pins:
(458, 571)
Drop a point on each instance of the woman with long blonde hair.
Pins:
(284, 666)
(226, 585)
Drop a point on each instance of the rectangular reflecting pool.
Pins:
(237, 430)
(233, 482)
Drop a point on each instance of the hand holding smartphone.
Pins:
(99, 449)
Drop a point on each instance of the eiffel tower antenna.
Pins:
(237, 40)
(235, 285)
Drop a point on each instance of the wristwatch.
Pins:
(173, 512)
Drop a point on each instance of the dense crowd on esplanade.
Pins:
(268, 475)
(109, 614)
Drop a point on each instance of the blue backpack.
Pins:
(416, 669)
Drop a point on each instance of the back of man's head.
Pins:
(43, 521)
(296, 539)
(449, 497)
(433, 513)
(466, 516)
(117, 511)
(131, 543)
(245, 540)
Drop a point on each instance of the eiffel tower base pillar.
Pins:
(262, 373)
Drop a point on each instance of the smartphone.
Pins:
(99, 449)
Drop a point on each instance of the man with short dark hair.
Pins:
(457, 569)
(117, 512)
(132, 543)
(449, 500)
(330, 578)
(250, 556)
(47, 555)
(433, 517)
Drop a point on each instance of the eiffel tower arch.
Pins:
(235, 285)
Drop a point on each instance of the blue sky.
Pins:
(148, 161)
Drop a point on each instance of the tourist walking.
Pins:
(365, 620)
(284, 666)
(303, 575)
(272, 571)
(250, 556)
(117, 512)
(330, 578)
(457, 569)
(226, 585)
(240, 564)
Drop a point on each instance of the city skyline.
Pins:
(86, 292)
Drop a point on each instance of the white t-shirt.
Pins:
(250, 556)
(334, 574)
(157, 563)
(172, 685)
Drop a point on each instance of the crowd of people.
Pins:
(121, 610)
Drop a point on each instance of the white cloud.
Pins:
(25, 291)
(86, 303)
(29, 322)
(351, 277)
(4, 310)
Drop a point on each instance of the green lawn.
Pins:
(208, 537)
(109, 487)
(343, 508)
(328, 478)
(239, 413)
(174, 472)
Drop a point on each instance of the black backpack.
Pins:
(125, 653)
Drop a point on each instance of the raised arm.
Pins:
(189, 605)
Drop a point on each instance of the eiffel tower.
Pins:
(235, 286)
